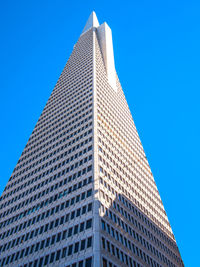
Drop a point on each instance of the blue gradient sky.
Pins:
(157, 56)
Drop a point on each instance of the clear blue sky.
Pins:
(157, 56)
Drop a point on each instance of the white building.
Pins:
(82, 193)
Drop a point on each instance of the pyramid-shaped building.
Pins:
(82, 193)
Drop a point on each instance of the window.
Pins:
(22, 253)
(89, 193)
(40, 261)
(83, 244)
(53, 239)
(52, 257)
(70, 250)
(47, 242)
(58, 255)
(32, 247)
(72, 201)
(56, 223)
(37, 246)
(64, 234)
(35, 263)
(62, 220)
(70, 232)
(27, 250)
(80, 264)
(75, 229)
(67, 204)
(42, 244)
(76, 247)
(58, 237)
(89, 207)
(72, 215)
(84, 210)
(46, 227)
(103, 225)
(64, 252)
(89, 242)
(117, 250)
(78, 212)
(41, 230)
(46, 259)
(67, 217)
(88, 262)
(108, 246)
(36, 231)
(113, 249)
(103, 243)
(104, 262)
(77, 198)
(82, 226)
(88, 224)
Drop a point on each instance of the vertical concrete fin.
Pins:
(105, 41)
(92, 22)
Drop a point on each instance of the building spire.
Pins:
(92, 22)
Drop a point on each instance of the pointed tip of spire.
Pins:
(91, 22)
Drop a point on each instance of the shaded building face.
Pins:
(82, 192)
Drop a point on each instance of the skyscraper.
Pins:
(82, 192)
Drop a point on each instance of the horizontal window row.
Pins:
(50, 258)
(132, 234)
(131, 138)
(66, 87)
(127, 157)
(73, 134)
(42, 175)
(66, 83)
(124, 258)
(71, 119)
(55, 187)
(55, 131)
(126, 164)
(74, 106)
(144, 219)
(42, 216)
(161, 222)
(68, 80)
(78, 95)
(45, 182)
(143, 229)
(64, 124)
(60, 142)
(132, 220)
(60, 110)
(122, 119)
(78, 228)
(56, 128)
(60, 100)
(45, 202)
(158, 210)
(54, 152)
(53, 160)
(79, 99)
(131, 184)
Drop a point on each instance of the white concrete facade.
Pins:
(82, 193)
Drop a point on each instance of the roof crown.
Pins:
(92, 22)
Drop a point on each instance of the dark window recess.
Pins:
(88, 262)
(83, 244)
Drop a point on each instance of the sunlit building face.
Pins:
(82, 193)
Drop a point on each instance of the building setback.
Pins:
(82, 193)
